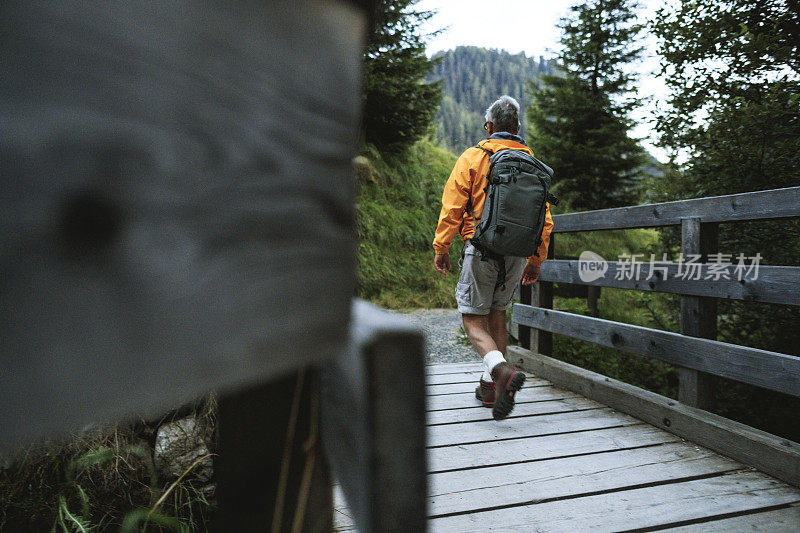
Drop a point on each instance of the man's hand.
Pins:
(530, 274)
(442, 262)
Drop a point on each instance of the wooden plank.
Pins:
(163, 233)
(469, 491)
(454, 368)
(514, 428)
(457, 388)
(785, 520)
(478, 413)
(698, 315)
(539, 448)
(763, 368)
(460, 377)
(467, 399)
(774, 455)
(361, 423)
(456, 377)
(270, 468)
(759, 205)
(774, 284)
(632, 509)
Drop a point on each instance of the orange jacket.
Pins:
(469, 179)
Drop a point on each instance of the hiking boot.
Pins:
(507, 381)
(485, 393)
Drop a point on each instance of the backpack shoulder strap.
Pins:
(468, 207)
(485, 150)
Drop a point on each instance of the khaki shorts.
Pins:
(477, 291)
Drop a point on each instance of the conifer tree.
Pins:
(399, 105)
(579, 116)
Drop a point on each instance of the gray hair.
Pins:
(504, 114)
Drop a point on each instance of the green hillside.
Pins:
(399, 198)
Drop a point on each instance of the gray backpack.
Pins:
(517, 187)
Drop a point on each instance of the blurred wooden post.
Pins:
(271, 472)
(152, 250)
(373, 422)
(698, 313)
(542, 341)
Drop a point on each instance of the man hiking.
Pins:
(488, 278)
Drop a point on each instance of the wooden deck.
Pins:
(562, 462)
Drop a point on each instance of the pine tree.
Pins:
(399, 105)
(579, 116)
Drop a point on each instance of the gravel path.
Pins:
(446, 342)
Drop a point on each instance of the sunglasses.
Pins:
(486, 125)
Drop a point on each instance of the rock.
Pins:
(178, 445)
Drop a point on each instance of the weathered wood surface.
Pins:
(480, 413)
(541, 341)
(453, 368)
(523, 333)
(654, 506)
(458, 388)
(763, 368)
(774, 455)
(774, 284)
(457, 377)
(470, 491)
(759, 205)
(269, 467)
(373, 400)
(569, 443)
(699, 316)
(573, 476)
(512, 428)
(441, 402)
(177, 192)
(783, 520)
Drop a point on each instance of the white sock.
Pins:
(491, 360)
(487, 377)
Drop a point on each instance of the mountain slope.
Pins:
(473, 78)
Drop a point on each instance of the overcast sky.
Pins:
(530, 26)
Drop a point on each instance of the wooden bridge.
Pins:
(567, 463)
(585, 452)
(563, 462)
(170, 237)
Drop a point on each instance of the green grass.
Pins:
(399, 198)
(100, 479)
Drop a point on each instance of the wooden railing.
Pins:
(695, 350)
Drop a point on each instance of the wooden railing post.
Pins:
(271, 472)
(698, 313)
(592, 295)
(524, 335)
(542, 296)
